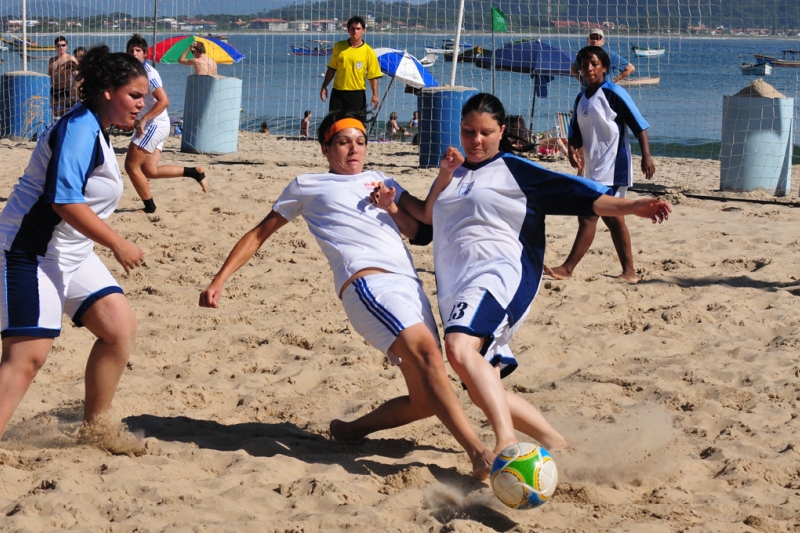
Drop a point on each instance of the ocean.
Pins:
(684, 109)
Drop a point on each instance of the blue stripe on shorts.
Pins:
(22, 296)
(90, 300)
(375, 308)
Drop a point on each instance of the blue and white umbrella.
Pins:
(404, 68)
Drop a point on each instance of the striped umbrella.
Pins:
(169, 50)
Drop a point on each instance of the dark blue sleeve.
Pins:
(622, 103)
(76, 152)
(554, 193)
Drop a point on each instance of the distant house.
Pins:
(270, 24)
(565, 23)
(325, 25)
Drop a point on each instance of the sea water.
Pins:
(684, 109)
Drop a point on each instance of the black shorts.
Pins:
(349, 100)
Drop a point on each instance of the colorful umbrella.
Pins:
(405, 68)
(169, 50)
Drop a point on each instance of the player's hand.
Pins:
(648, 167)
(451, 160)
(383, 197)
(576, 161)
(655, 209)
(128, 255)
(210, 296)
(323, 94)
(374, 102)
(139, 127)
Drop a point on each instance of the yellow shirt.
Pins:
(354, 66)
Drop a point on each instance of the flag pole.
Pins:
(455, 47)
(155, 27)
(493, 50)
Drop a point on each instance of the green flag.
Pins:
(498, 20)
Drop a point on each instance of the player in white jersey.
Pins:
(375, 278)
(48, 228)
(489, 240)
(602, 115)
(150, 131)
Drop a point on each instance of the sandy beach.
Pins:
(682, 393)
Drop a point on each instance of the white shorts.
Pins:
(37, 290)
(154, 136)
(475, 312)
(380, 306)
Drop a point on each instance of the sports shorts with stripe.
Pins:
(475, 312)
(154, 136)
(37, 290)
(380, 306)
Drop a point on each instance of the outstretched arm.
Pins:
(655, 209)
(241, 254)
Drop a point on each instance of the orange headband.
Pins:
(343, 124)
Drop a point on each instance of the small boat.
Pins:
(641, 51)
(756, 69)
(313, 48)
(638, 81)
(791, 58)
(223, 38)
(465, 55)
(447, 48)
(15, 43)
(428, 60)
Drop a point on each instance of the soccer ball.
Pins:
(524, 476)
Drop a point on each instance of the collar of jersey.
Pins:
(606, 83)
(470, 166)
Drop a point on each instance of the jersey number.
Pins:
(458, 310)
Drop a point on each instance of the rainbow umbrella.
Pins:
(169, 50)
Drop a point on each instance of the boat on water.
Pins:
(223, 38)
(428, 60)
(15, 43)
(468, 56)
(447, 48)
(638, 81)
(790, 58)
(314, 47)
(641, 51)
(756, 69)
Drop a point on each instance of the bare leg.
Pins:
(391, 414)
(587, 227)
(22, 358)
(154, 171)
(417, 347)
(112, 320)
(622, 243)
(483, 384)
(529, 420)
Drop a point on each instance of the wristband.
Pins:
(149, 206)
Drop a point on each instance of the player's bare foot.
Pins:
(558, 272)
(482, 464)
(557, 442)
(629, 277)
(341, 430)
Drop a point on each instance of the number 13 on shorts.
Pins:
(458, 310)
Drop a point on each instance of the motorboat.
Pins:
(790, 58)
(447, 47)
(641, 51)
(428, 60)
(756, 69)
(314, 47)
(638, 81)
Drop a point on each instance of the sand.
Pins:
(682, 392)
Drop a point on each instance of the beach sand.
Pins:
(682, 393)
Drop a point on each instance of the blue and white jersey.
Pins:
(352, 233)
(73, 163)
(489, 230)
(153, 83)
(598, 125)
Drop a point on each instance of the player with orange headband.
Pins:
(375, 279)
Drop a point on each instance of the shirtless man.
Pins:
(60, 68)
(202, 64)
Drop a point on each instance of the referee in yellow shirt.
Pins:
(353, 62)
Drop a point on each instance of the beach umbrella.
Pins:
(541, 60)
(169, 50)
(405, 68)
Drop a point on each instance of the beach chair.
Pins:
(562, 124)
(548, 146)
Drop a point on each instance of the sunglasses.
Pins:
(594, 38)
(62, 45)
